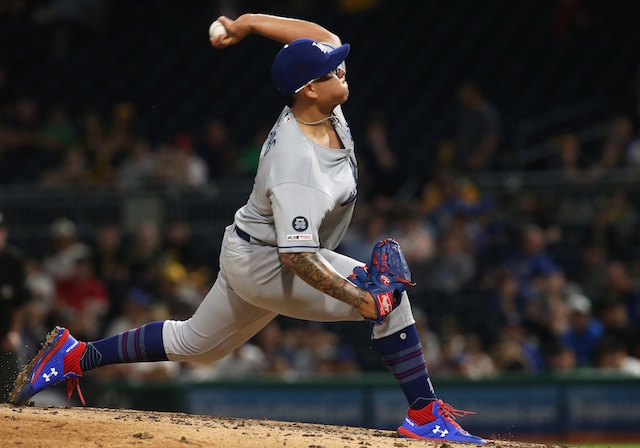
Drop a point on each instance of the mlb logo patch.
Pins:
(302, 237)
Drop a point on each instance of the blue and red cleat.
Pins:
(58, 360)
(437, 422)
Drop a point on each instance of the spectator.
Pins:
(106, 154)
(178, 245)
(482, 226)
(508, 356)
(136, 169)
(137, 310)
(14, 295)
(92, 131)
(614, 148)
(535, 269)
(378, 160)
(109, 258)
(65, 249)
(109, 252)
(506, 299)
(547, 314)
(568, 158)
(452, 343)
(515, 330)
(56, 134)
(20, 154)
(371, 224)
(42, 289)
(632, 154)
(325, 352)
(217, 149)
(611, 354)
(414, 235)
(528, 207)
(82, 302)
(598, 230)
(248, 360)
(178, 165)
(513, 351)
(584, 332)
(478, 131)
(621, 288)
(196, 170)
(278, 356)
(144, 256)
(476, 363)
(615, 319)
(453, 267)
(177, 291)
(446, 195)
(249, 154)
(73, 172)
(121, 133)
(593, 269)
(561, 358)
(622, 217)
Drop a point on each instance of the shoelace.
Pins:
(449, 413)
(71, 383)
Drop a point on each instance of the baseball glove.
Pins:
(386, 276)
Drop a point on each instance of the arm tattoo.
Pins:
(314, 269)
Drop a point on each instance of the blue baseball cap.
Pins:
(304, 60)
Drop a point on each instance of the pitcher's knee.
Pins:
(182, 342)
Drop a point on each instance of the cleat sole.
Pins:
(17, 397)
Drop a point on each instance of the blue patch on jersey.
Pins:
(300, 224)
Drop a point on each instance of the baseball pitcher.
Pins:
(278, 256)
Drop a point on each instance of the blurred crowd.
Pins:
(52, 149)
(500, 286)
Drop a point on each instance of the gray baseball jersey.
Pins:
(304, 193)
(302, 201)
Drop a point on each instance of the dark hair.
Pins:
(290, 99)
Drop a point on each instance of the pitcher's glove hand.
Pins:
(385, 277)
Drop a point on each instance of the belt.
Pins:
(242, 234)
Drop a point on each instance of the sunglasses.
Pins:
(323, 78)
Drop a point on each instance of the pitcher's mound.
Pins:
(51, 427)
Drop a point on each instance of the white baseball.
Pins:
(216, 30)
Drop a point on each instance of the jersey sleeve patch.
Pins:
(300, 237)
(300, 224)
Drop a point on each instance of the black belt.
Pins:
(242, 234)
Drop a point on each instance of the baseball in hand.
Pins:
(216, 30)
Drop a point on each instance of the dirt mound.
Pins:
(51, 427)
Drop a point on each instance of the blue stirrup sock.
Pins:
(402, 353)
(138, 345)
